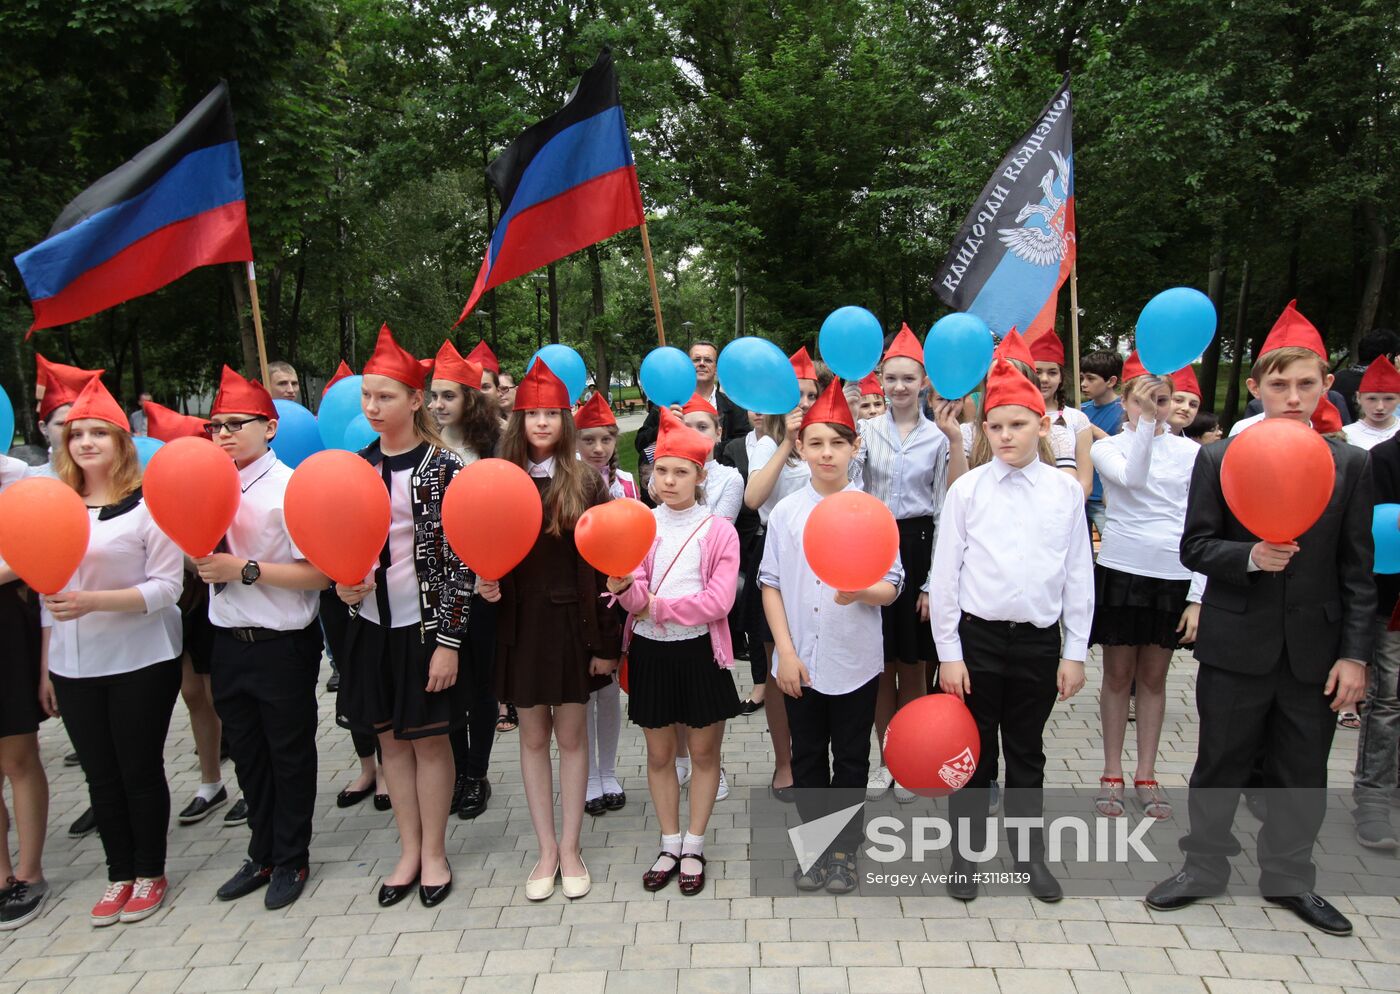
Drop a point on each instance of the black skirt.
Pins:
(670, 682)
(194, 620)
(1136, 610)
(20, 712)
(755, 621)
(383, 681)
(908, 639)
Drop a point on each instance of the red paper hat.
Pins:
(871, 385)
(451, 366)
(1013, 346)
(1295, 331)
(165, 425)
(1380, 377)
(96, 402)
(675, 439)
(802, 365)
(1132, 367)
(482, 354)
(831, 408)
(541, 390)
(241, 396)
(594, 414)
(698, 403)
(1325, 419)
(61, 383)
(342, 372)
(1184, 381)
(1048, 348)
(905, 346)
(394, 361)
(1007, 385)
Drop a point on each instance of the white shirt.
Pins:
(1061, 445)
(259, 532)
(12, 470)
(677, 559)
(1012, 546)
(401, 579)
(1074, 419)
(1145, 481)
(542, 470)
(790, 480)
(1244, 423)
(724, 490)
(1363, 436)
(842, 645)
(909, 475)
(125, 550)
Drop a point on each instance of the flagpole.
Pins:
(1073, 326)
(651, 276)
(257, 323)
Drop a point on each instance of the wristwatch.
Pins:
(251, 572)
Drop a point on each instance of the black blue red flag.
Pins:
(177, 205)
(565, 183)
(1017, 244)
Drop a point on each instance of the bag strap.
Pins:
(693, 533)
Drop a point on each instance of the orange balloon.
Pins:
(337, 512)
(932, 745)
(44, 530)
(192, 490)
(614, 538)
(1277, 476)
(491, 514)
(851, 540)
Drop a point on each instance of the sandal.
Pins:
(1109, 803)
(1153, 799)
(509, 721)
(841, 873)
(692, 883)
(654, 880)
(1349, 719)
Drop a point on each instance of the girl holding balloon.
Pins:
(399, 676)
(557, 642)
(111, 654)
(678, 602)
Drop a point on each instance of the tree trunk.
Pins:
(1210, 362)
(242, 308)
(24, 411)
(1375, 276)
(1232, 390)
(138, 375)
(739, 322)
(603, 375)
(293, 322)
(553, 305)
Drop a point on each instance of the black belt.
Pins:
(254, 634)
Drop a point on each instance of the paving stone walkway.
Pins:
(488, 938)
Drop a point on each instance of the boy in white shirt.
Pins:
(1012, 559)
(1377, 397)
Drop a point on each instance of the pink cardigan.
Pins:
(719, 573)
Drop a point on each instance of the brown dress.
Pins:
(552, 622)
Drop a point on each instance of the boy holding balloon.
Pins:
(1287, 627)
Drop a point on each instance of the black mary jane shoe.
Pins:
(750, 707)
(784, 794)
(431, 897)
(615, 802)
(1316, 911)
(348, 798)
(692, 883)
(392, 894)
(382, 802)
(595, 807)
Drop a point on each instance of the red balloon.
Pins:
(337, 512)
(44, 529)
(932, 745)
(1277, 477)
(192, 490)
(614, 538)
(491, 514)
(851, 540)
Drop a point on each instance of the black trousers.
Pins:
(1013, 671)
(1289, 724)
(831, 754)
(472, 742)
(265, 693)
(118, 726)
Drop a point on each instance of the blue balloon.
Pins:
(339, 407)
(1385, 529)
(568, 365)
(957, 354)
(1174, 329)
(358, 434)
(297, 433)
(145, 448)
(758, 377)
(7, 422)
(668, 376)
(851, 342)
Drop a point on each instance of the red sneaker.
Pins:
(146, 898)
(108, 910)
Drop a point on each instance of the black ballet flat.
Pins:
(382, 802)
(595, 807)
(615, 802)
(392, 894)
(348, 798)
(433, 896)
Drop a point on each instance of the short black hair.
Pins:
(1377, 342)
(1102, 364)
(1203, 422)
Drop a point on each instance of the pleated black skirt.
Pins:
(908, 639)
(670, 682)
(20, 712)
(383, 681)
(1136, 610)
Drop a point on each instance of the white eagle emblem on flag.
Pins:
(1043, 246)
(958, 770)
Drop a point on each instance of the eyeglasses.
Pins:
(703, 360)
(232, 427)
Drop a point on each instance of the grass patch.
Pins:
(627, 452)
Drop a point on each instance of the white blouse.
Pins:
(401, 579)
(1145, 482)
(679, 543)
(791, 480)
(724, 490)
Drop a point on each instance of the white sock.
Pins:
(595, 789)
(694, 844)
(669, 844)
(207, 791)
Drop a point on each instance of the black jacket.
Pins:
(1321, 608)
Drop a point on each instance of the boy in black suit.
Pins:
(1285, 637)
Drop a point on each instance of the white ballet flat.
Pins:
(543, 888)
(576, 887)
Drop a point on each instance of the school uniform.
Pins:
(1363, 436)
(724, 490)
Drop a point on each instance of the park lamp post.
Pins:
(687, 325)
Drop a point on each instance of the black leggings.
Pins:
(118, 726)
(335, 620)
(472, 742)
